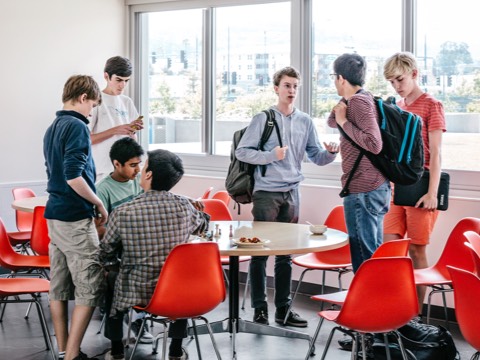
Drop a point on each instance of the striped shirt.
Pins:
(362, 128)
(144, 231)
(433, 118)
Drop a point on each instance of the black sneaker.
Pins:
(83, 356)
(347, 343)
(261, 316)
(293, 318)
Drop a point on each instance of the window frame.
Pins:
(464, 183)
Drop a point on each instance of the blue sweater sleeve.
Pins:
(247, 150)
(77, 148)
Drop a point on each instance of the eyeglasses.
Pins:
(333, 76)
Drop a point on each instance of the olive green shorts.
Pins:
(74, 269)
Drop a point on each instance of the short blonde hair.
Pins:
(399, 64)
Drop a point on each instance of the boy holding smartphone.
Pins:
(117, 117)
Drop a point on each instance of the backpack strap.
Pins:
(345, 191)
(270, 123)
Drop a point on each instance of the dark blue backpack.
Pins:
(401, 159)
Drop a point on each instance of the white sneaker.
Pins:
(145, 336)
(109, 356)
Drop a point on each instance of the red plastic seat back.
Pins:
(222, 195)
(466, 295)
(392, 248)
(336, 219)
(382, 296)
(455, 253)
(7, 253)
(39, 239)
(216, 209)
(207, 192)
(473, 243)
(190, 283)
(24, 219)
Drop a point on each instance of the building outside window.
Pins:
(207, 70)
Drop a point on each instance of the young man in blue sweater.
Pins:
(276, 196)
(70, 212)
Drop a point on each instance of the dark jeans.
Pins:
(364, 213)
(276, 207)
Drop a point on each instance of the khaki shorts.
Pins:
(414, 223)
(74, 268)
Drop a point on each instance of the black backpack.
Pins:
(421, 342)
(239, 182)
(401, 158)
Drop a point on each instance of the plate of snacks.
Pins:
(250, 242)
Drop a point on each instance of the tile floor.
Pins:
(22, 339)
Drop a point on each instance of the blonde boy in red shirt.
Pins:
(402, 72)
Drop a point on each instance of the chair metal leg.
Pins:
(195, 334)
(295, 295)
(400, 344)
(43, 324)
(225, 276)
(164, 346)
(364, 348)
(214, 343)
(104, 318)
(28, 311)
(387, 348)
(3, 310)
(246, 288)
(443, 290)
(329, 341)
(312, 343)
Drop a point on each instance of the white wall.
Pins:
(43, 42)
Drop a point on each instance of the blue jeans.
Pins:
(364, 214)
(279, 207)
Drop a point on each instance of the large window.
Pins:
(251, 45)
(207, 65)
(333, 36)
(173, 48)
(449, 53)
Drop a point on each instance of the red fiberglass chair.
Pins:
(206, 193)
(18, 263)
(23, 220)
(39, 240)
(391, 302)
(11, 260)
(12, 288)
(456, 254)
(394, 248)
(337, 260)
(473, 243)
(193, 298)
(222, 195)
(466, 295)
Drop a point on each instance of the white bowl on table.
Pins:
(318, 229)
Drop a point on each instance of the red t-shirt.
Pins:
(433, 118)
